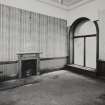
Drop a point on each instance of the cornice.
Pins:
(64, 7)
(80, 4)
(57, 5)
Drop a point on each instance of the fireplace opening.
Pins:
(29, 68)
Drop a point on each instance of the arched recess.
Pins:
(84, 35)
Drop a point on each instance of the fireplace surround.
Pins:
(28, 64)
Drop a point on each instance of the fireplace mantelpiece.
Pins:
(25, 57)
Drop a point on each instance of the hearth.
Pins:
(29, 67)
(28, 64)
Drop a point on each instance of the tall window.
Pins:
(85, 44)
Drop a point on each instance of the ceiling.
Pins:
(65, 4)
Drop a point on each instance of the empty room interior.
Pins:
(52, 52)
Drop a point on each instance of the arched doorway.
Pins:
(84, 34)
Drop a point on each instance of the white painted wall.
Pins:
(94, 11)
(101, 4)
(89, 10)
(101, 14)
(36, 6)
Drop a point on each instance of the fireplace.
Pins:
(28, 64)
(29, 67)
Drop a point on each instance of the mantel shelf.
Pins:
(29, 53)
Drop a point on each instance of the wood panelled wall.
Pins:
(25, 31)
